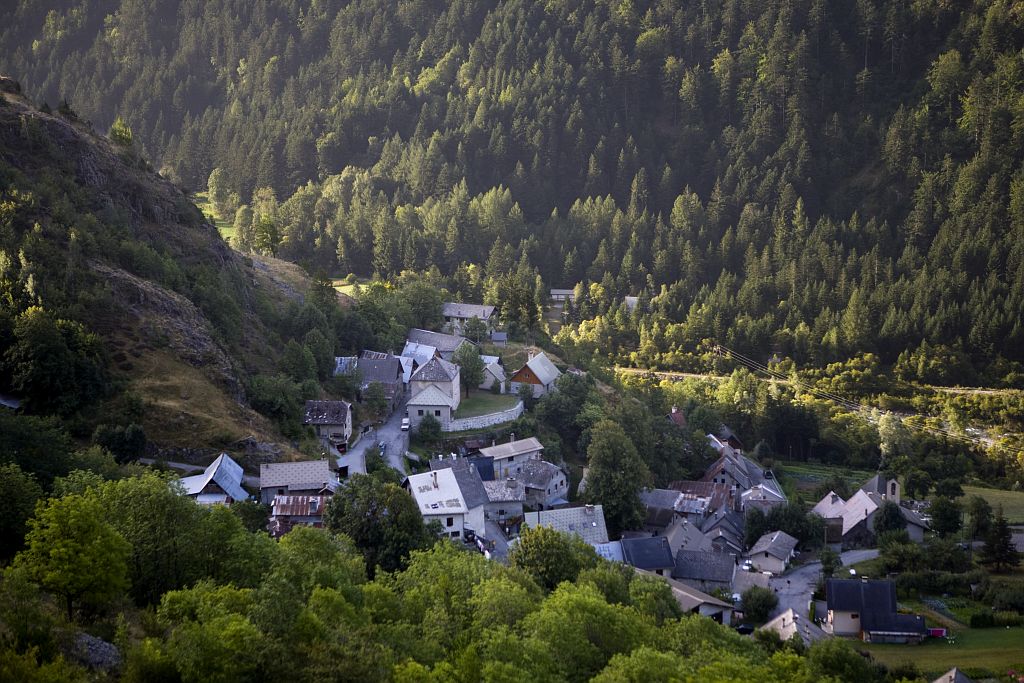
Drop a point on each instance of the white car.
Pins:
(405, 424)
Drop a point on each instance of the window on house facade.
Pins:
(437, 413)
(449, 521)
(854, 615)
(420, 411)
(892, 489)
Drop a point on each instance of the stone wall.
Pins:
(483, 421)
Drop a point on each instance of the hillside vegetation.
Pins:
(121, 304)
(817, 179)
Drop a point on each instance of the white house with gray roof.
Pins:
(440, 497)
(435, 389)
(772, 552)
(446, 344)
(220, 483)
(510, 457)
(456, 315)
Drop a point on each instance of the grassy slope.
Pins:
(993, 650)
(224, 227)
(483, 402)
(1012, 501)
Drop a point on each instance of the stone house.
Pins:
(332, 423)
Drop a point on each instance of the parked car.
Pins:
(405, 424)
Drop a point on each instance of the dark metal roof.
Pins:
(651, 553)
(445, 343)
(704, 566)
(467, 477)
(383, 370)
(875, 601)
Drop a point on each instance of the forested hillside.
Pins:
(817, 179)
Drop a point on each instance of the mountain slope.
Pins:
(100, 253)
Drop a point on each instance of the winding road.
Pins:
(796, 587)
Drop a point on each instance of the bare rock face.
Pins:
(167, 319)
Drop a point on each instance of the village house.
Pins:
(509, 458)
(866, 609)
(736, 470)
(587, 522)
(705, 497)
(494, 374)
(419, 354)
(954, 675)
(790, 625)
(856, 516)
(446, 344)
(650, 554)
(546, 485)
(539, 373)
(562, 295)
(661, 509)
(387, 372)
(684, 534)
(693, 601)
(219, 484)
(456, 316)
(436, 390)
(505, 499)
(440, 498)
(332, 423)
(288, 512)
(499, 339)
(677, 417)
(772, 552)
(302, 477)
(703, 570)
(725, 530)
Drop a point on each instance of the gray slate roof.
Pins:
(537, 474)
(467, 311)
(505, 491)
(383, 370)
(326, 413)
(436, 370)
(512, 448)
(445, 343)
(468, 479)
(650, 553)
(301, 475)
(776, 543)
(700, 566)
(954, 675)
(586, 522)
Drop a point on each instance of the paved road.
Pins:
(796, 587)
(390, 433)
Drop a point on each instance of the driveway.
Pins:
(390, 433)
(796, 587)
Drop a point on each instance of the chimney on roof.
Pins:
(675, 409)
(512, 437)
(434, 478)
(588, 509)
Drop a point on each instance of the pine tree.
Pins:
(999, 549)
